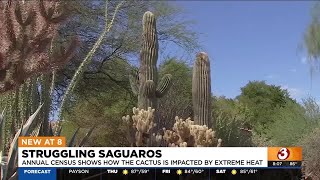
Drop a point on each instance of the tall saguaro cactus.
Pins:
(145, 82)
(201, 90)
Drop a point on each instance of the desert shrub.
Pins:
(231, 122)
(231, 128)
(289, 124)
(311, 154)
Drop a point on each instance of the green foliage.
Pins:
(289, 124)
(276, 119)
(312, 36)
(101, 102)
(20, 104)
(88, 113)
(231, 119)
(122, 42)
(263, 115)
(105, 100)
(103, 84)
(312, 110)
(31, 127)
(263, 100)
(68, 130)
(173, 28)
(181, 104)
(86, 61)
(10, 170)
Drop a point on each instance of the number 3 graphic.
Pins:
(283, 154)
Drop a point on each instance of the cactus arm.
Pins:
(30, 16)
(150, 88)
(164, 85)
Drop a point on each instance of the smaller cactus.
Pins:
(201, 90)
(140, 126)
(186, 134)
(183, 134)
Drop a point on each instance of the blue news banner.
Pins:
(204, 164)
(37, 173)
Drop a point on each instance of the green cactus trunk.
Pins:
(148, 70)
(201, 90)
(145, 82)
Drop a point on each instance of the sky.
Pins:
(254, 40)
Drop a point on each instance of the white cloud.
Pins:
(270, 76)
(293, 70)
(304, 60)
(216, 93)
(295, 93)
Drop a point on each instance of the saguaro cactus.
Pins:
(201, 90)
(145, 82)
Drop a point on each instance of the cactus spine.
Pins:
(201, 90)
(145, 82)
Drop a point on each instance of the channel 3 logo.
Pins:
(283, 154)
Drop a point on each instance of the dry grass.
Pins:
(311, 154)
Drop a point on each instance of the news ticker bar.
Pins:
(156, 157)
(155, 174)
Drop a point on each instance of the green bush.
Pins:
(231, 122)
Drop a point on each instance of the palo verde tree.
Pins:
(122, 42)
(311, 45)
(312, 38)
(181, 90)
(262, 100)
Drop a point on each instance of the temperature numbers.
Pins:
(193, 171)
(248, 171)
(139, 171)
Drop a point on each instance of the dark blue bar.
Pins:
(37, 173)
